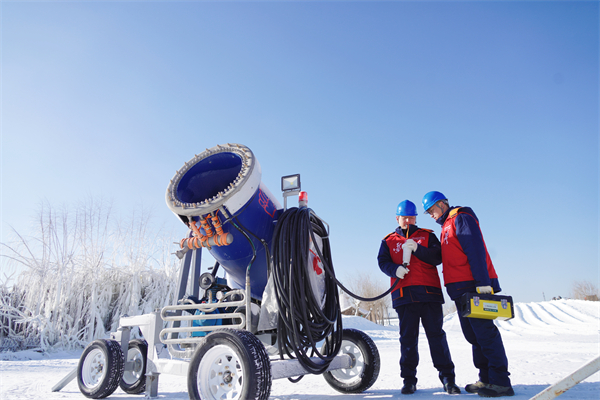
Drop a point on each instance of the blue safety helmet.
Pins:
(431, 198)
(406, 208)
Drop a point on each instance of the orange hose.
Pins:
(217, 225)
(206, 227)
(192, 224)
(199, 240)
(221, 240)
(204, 242)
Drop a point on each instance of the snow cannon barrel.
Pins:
(219, 195)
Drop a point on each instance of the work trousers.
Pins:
(431, 316)
(488, 350)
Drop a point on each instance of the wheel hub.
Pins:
(357, 366)
(137, 365)
(352, 360)
(227, 377)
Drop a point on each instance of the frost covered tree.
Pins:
(80, 270)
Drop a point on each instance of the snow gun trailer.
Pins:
(232, 336)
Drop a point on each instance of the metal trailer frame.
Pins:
(151, 328)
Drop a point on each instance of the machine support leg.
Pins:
(152, 384)
(125, 335)
(65, 381)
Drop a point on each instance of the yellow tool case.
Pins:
(486, 306)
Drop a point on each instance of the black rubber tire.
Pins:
(366, 363)
(134, 382)
(100, 368)
(231, 363)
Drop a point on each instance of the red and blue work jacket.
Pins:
(421, 283)
(466, 261)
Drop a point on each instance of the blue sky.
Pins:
(495, 104)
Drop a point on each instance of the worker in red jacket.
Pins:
(468, 268)
(409, 255)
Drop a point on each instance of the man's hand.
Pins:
(409, 245)
(485, 290)
(401, 271)
(407, 249)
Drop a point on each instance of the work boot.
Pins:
(496, 391)
(408, 388)
(451, 388)
(474, 387)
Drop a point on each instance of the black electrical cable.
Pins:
(302, 322)
(265, 245)
(368, 299)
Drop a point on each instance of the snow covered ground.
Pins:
(544, 342)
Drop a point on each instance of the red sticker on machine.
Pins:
(266, 203)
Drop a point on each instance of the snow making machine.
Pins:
(274, 314)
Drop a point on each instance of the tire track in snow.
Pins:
(562, 315)
(525, 321)
(532, 317)
(545, 315)
(578, 314)
(556, 325)
(548, 319)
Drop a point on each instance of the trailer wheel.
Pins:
(100, 368)
(232, 364)
(365, 363)
(134, 381)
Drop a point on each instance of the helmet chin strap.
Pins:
(437, 204)
(442, 210)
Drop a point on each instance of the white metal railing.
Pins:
(167, 314)
(569, 381)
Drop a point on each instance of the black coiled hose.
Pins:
(302, 323)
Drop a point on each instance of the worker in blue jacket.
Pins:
(468, 268)
(409, 256)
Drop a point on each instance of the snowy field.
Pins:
(544, 342)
